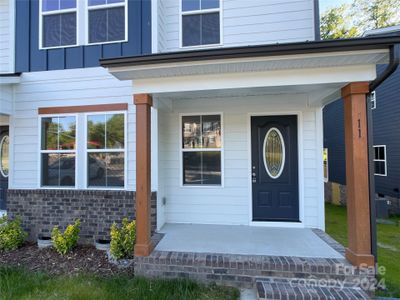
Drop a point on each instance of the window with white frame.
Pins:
(105, 146)
(107, 20)
(372, 99)
(380, 163)
(58, 151)
(201, 150)
(201, 22)
(58, 23)
(326, 165)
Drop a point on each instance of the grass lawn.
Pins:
(22, 284)
(388, 245)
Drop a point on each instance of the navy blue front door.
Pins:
(275, 182)
(3, 166)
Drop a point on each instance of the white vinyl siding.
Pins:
(246, 22)
(6, 98)
(6, 36)
(231, 204)
(73, 87)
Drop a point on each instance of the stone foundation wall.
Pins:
(41, 210)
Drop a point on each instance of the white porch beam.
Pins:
(292, 77)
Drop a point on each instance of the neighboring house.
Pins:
(386, 132)
(229, 94)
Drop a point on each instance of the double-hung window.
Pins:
(380, 160)
(372, 99)
(201, 150)
(326, 165)
(58, 151)
(201, 22)
(58, 23)
(105, 148)
(107, 20)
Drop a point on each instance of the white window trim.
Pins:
(381, 160)
(372, 99)
(197, 12)
(41, 186)
(6, 136)
(57, 12)
(124, 150)
(104, 6)
(82, 21)
(326, 178)
(182, 150)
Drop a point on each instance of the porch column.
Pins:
(143, 102)
(356, 145)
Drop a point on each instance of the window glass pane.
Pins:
(116, 24)
(376, 152)
(188, 5)
(67, 133)
(96, 2)
(106, 169)
(191, 167)
(191, 30)
(58, 169)
(380, 167)
(211, 167)
(50, 5)
(66, 4)
(191, 132)
(381, 152)
(96, 128)
(115, 131)
(50, 133)
(210, 29)
(97, 25)
(97, 169)
(207, 4)
(51, 30)
(211, 126)
(68, 29)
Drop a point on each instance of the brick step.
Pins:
(240, 270)
(290, 289)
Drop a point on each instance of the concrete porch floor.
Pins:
(244, 240)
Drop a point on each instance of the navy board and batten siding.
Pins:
(30, 58)
(386, 126)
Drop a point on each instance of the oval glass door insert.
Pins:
(274, 153)
(4, 145)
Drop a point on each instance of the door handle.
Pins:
(253, 177)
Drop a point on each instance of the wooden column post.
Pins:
(356, 145)
(143, 246)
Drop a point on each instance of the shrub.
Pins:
(123, 239)
(11, 234)
(65, 242)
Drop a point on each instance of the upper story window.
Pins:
(372, 99)
(106, 21)
(65, 23)
(380, 162)
(58, 23)
(201, 22)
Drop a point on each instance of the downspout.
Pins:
(390, 69)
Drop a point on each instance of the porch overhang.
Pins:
(319, 68)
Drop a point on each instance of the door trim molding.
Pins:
(299, 224)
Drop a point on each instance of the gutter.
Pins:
(390, 69)
(369, 43)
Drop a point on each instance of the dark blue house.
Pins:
(385, 107)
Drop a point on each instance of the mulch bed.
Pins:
(83, 259)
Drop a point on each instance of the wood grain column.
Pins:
(356, 145)
(143, 246)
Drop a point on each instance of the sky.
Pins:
(324, 4)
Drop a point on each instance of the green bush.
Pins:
(65, 242)
(123, 239)
(11, 234)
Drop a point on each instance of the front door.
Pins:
(4, 160)
(275, 182)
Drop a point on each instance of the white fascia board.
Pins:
(10, 80)
(312, 76)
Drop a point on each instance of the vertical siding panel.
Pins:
(22, 36)
(38, 57)
(56, 59)
(74, 57)
(133, 47)
(92, 55)
(146, 26)
(112, 50)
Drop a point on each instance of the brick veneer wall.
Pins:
(41, 210)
